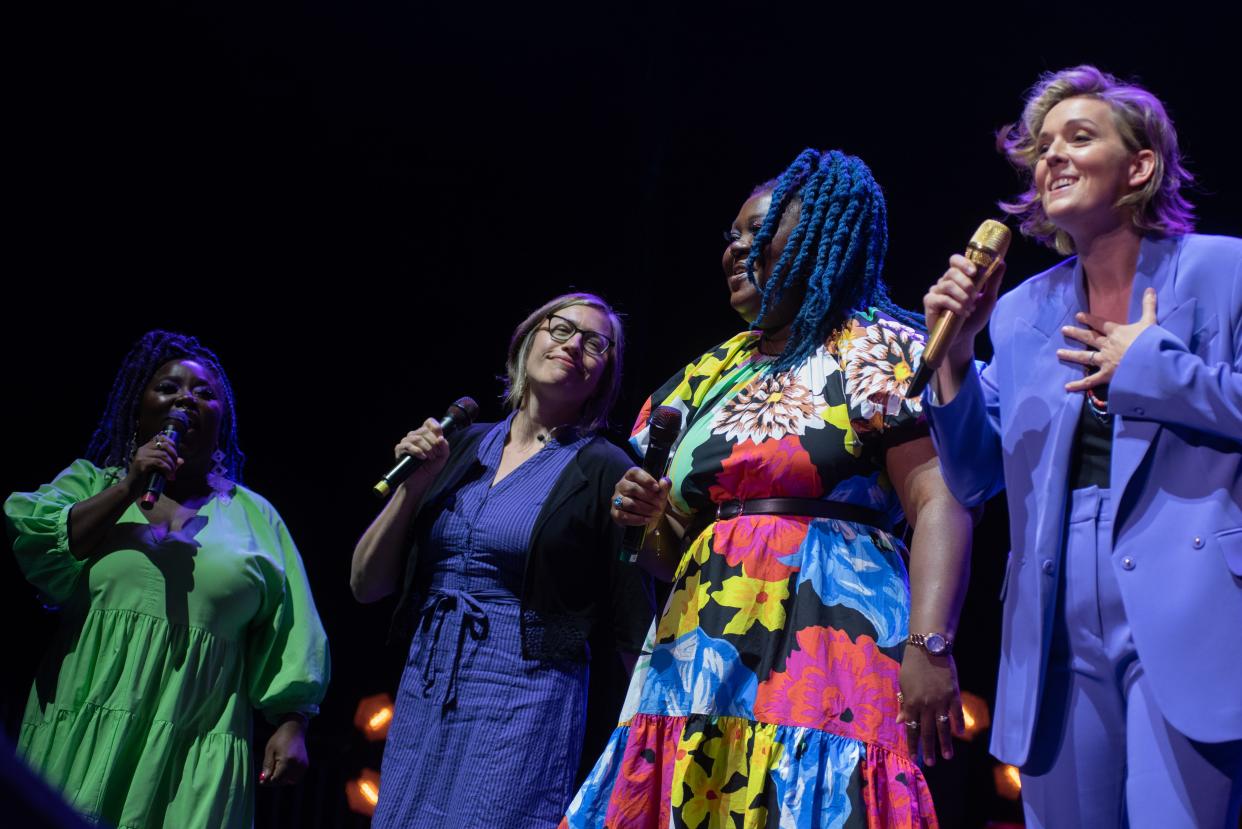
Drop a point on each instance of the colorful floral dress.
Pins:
(769, 695)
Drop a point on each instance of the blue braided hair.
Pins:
(114, 438)
(836, 251)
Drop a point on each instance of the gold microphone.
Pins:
(986, 250)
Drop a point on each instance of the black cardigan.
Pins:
(574, 587)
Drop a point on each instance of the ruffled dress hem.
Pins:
(763, 774)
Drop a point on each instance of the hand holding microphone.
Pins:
(426, 448)
(158, 458)
(427, 445)
(959, 305)
(641, 497)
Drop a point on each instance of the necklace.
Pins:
(543, 434)
(1098, 406)
(764, 339)
(554, 432)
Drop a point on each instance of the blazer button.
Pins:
(1127, 563)
(1048, 566)
(1198, 542)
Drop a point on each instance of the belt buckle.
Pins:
(728, 510)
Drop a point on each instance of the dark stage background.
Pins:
(355, 203)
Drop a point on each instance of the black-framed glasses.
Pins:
(563, 330)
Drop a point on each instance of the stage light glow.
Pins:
(1008, 782)
(374, 716)
(975, 715)
(362, 793)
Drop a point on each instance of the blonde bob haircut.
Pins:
(1157, 208)
(595, 410)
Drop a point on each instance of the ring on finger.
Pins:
(617, 502)
(942, 718)
(912, 725)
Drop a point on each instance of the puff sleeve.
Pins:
(287, 659)
(38, 527)
(877, 355)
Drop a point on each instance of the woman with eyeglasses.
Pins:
(506, 561)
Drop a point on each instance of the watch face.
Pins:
(935, 644)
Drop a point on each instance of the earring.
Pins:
(218, 477)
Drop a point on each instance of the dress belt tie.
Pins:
(804, 507)
(472, 621)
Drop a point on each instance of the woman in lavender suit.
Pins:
(1112, 414)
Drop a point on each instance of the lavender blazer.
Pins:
(1176, 479)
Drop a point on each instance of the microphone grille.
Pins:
(467, 405)
(993, 237)
(665, 423)
(178, 417)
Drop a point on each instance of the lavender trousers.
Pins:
(1103, 755)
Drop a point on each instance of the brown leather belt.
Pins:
(805, 507)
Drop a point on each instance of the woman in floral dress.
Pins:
(771, 695)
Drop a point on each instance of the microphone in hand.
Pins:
(459, 415)
(986, 252)
(172, 428)
(665, 425)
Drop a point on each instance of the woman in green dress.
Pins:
(178, 620)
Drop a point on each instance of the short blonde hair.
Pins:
(599, 405)
(1158, 207)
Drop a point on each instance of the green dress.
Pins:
(141, 712)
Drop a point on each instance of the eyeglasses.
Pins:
(563, 330)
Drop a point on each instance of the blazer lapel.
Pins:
(1132, 437)
(1046, 377)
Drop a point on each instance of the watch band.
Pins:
(937, 644)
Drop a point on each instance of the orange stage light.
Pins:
(373, 716)
(362, 793)
(1008, 783)
(975, 715)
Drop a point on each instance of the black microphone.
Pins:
(459, 415)
(664, 425)
(986, 250)
(174, 424)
